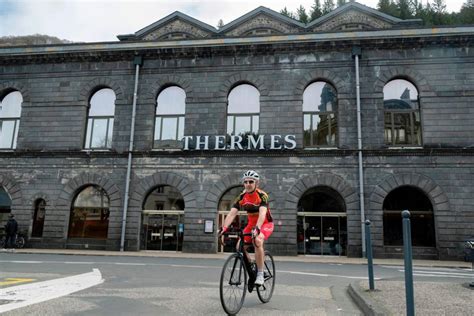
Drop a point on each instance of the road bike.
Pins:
(238, 276)
(20, 241)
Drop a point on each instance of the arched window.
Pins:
(169, 117)
(402, 114)
(319, 115)
(421, 217)
(90, 214)
(5, 206)
(243, 110)
(38, 218)
(100, 122)
(10, 112)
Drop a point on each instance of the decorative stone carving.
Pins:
(263, 21)
(176, 26)
(352, 19)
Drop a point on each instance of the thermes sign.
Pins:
(237, 142)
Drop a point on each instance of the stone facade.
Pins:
(50, 162)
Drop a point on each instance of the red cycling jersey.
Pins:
(251, 203)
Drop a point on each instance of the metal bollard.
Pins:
(368, 248)
(408, 263)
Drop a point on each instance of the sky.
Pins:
(103, 20)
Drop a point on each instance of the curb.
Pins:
(366, 305)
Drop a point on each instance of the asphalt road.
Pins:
(182, 286)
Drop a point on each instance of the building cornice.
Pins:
(126, 50)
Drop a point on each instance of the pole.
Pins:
(137, 62)
(408, 264)
(356, 52)
(370, 264)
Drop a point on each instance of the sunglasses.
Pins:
(249, 182)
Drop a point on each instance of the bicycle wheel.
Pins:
(265, 291)
(233, 285)
(20, 242)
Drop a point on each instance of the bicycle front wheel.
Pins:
(265, 291)
(233, 285)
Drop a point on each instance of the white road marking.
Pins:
(78, 262)
(28, 294)
(440, 273)
(439, 276)
(129, 264)
(327, 275)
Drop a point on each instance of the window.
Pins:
(10, 112)
(38, 218)
(402, 114)
(243, 110)
(169, 117)
(100, 122)
(90, 214)
(319, 115)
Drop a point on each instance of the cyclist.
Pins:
(260, 221)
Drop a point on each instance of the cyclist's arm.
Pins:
(230, 217)
(262, 215)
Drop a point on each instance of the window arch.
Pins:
(169, 116)
(243, 110)
(401, 114)
(100, 121)
(90, 214)
(10, 113)
(320, 115)
(421, 217)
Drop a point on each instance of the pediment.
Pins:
(354, 16)
(175, 26)
(262, 21)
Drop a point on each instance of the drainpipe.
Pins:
(137, 61)
(356, 52)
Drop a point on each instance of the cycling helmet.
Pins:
(251, 174)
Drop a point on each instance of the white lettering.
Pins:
(254, 143)
(220, 140)
(291, 139)
(186, 142)
(205, 143)
(235, 140)
(275, 140)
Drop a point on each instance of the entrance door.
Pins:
(163, 231)
(322, 234)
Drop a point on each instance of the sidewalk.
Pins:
(431, 298)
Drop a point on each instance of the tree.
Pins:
(316, 10)
(387, 7)
(466, 15)
(341, 2)
(404, 9)
(301, 14)
(220, 24)
(287, 13)
(328, 6)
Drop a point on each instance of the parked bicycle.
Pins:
(19, 242)
(238, 276)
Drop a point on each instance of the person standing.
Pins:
(260, 221)
(11, 229)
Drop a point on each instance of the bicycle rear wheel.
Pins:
(265, 291)
(233, 284)
(20, 242)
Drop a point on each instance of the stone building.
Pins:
(141, 143)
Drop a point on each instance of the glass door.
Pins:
(230, 240)
(321, 234)
(163, 230)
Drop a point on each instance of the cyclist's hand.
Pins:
(255, 232)
(223, 230)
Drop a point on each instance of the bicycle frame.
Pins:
(244, 255)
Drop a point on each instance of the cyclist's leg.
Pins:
(265, 232)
